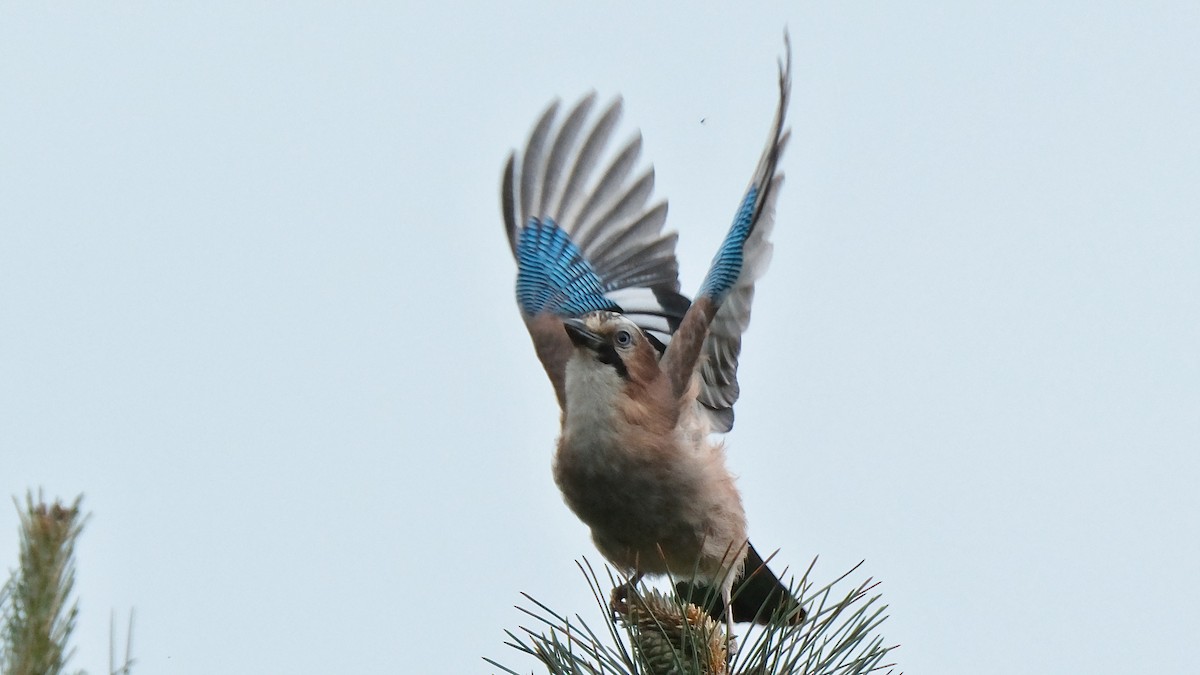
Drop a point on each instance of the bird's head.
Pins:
(610, 340)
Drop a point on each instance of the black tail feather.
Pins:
(758, 596)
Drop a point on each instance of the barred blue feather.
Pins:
(727, 263)
(553, 276)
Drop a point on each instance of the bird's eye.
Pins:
(623, 338)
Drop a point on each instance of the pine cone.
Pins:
(673, 638)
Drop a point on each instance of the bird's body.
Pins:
(641, 470)
(643, 376)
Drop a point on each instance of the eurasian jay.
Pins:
(643, 376)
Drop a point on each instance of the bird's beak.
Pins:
(579, 333)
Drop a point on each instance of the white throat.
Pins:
(591, 391)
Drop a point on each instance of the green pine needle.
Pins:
(839, 637)
(37, 613)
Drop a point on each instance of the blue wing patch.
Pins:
(553, 276)
(727, 263)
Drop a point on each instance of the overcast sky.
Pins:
(256, 304)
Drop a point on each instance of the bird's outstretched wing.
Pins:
(586, 242)
(710, 334)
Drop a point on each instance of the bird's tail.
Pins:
(758, 596)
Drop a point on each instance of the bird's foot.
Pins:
(618, 602)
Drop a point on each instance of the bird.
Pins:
(644, 377)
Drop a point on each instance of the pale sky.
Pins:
(256, 304)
